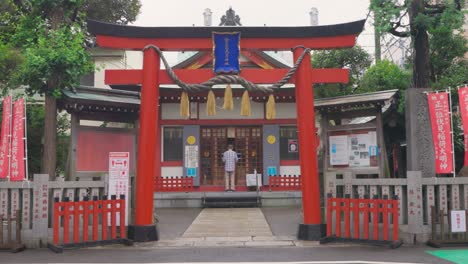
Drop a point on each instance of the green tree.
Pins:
(113, 11)
(439, 21)
(50, 37)
(356, 59)
(384, 75)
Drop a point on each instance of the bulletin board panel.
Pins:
(93, 147)
(353, 148)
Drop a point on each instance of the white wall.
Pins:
(290, 170)
(256, 109)
(286, 110)
(172, 171)
(171, 111)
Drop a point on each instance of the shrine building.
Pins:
(231, 89)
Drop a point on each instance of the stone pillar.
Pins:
(420, 150)
(41, 208)
(415, 204)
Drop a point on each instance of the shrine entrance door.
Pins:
(247, 142)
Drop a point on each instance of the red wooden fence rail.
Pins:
(73, 217)
(357, 213)
(285, 182)
(173, 184)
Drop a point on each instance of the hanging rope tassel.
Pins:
(270, 108)
(228, 101)
(245, 104)
(184, 105)
(211, 104)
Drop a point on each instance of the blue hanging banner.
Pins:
(226, 50)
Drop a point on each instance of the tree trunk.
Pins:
(49, 158)
(421, 46)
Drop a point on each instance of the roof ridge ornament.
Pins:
(230, 18)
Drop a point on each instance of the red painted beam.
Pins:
(213, 122)
(124, 77)
(257, 59)
(197, 44)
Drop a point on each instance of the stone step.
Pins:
(230, 202)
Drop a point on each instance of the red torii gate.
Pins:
(200, 38)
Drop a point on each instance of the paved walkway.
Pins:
(229, 222)
(228, 227)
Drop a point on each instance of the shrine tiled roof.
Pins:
(112, 100)
(357, 101)
(102, 28)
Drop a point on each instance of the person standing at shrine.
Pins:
(230, 159)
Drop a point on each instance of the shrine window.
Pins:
(173, 143)
(289, 144)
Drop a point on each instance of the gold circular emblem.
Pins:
(191, 140)
(271, 139)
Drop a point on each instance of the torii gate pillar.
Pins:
(149, 159)
(311, 228)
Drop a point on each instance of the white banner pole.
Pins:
(451, 129)
(10, 129)
(25, 138)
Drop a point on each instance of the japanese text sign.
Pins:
(226, 51)
(441, 135)
(5, 138)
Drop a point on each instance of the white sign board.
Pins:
(119, 178)
(251, 180)
(191, 156)
(458, 219)
(339, 150)
(358, 150)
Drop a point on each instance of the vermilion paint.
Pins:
(148, 139)
(306, 130)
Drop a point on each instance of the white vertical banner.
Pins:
(119, 178)
(458, 218)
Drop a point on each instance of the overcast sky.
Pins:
(256, 13)
(156, 13)
(251, 12)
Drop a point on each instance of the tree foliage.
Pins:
(356, 59)
(384, 75)
(435, 28)
(113, 11)
(43, 44)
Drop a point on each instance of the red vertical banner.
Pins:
(463, 99)
(5, 139)
(441, 137)
(18, 172)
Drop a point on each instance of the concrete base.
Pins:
(143, 233)
(311, 232)
(194, 199)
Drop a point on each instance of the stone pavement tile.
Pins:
(229, 222)
(269, 244)
(219, 244)
(273, 238)
(240, 238)
(167, 243)
(190, 239)
(263, 238)
(302, 243)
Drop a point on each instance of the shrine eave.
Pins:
(357, 101)
(108, 29)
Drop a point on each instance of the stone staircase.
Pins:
(231, 200)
